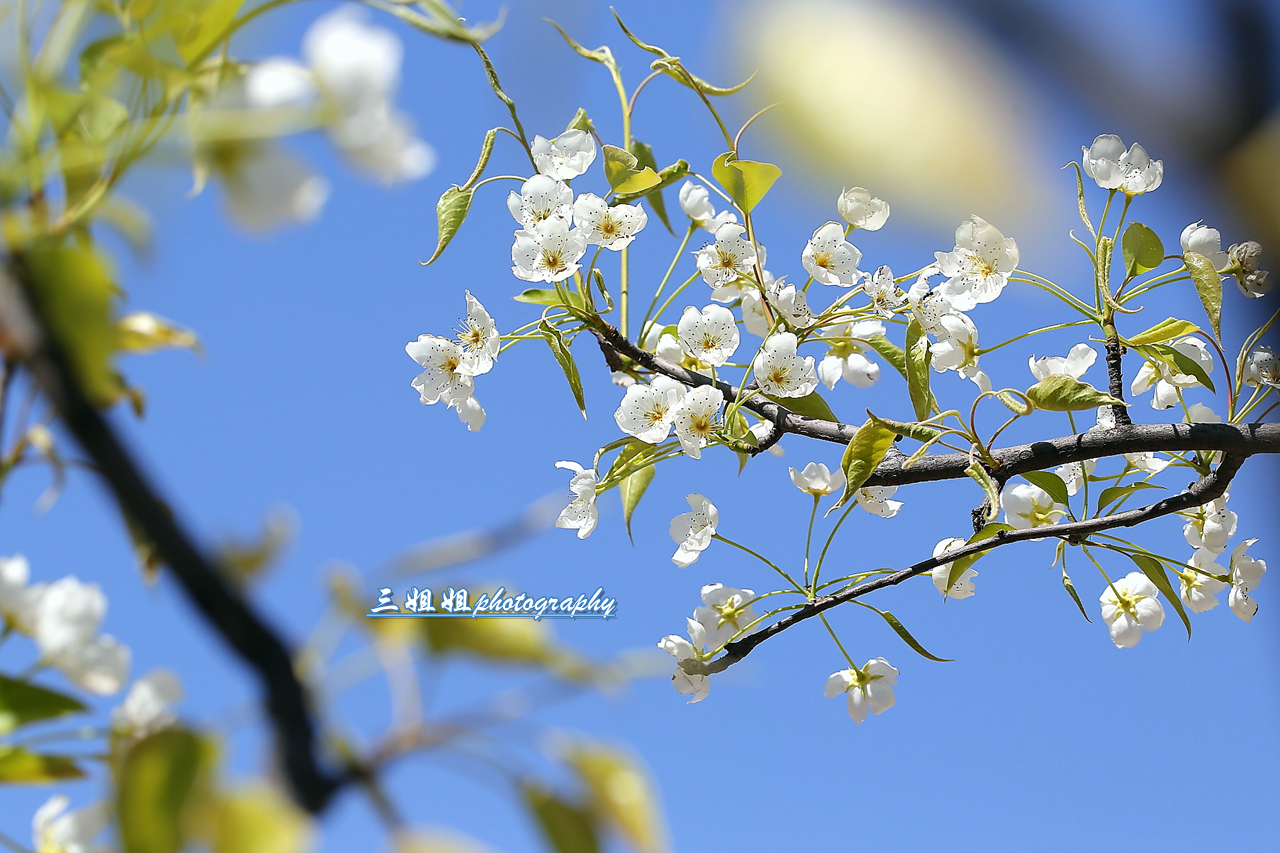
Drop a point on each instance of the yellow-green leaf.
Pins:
(1142, 249)
(155, 788)
(20, 767)
(746, 181)
(1164, 331)
(508, 640)
(451, 212)
(560, 349)
(1208, 287)
(865, 451)
(538, 296)
(486, 150)
(644, 158)
(22, 703)
(811, 405)
(568, 828)
(619, 793)
(258, 818)
(1178, 360)
(960, 566)
(982, 477)
(1152, 568)
(920, 432)
(581, 121)
(142, 331)
(633, 487)
(203, 26)
(917, 357)
(1063, 393)
(890, 352)
(1113, 494)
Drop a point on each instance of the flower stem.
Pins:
(717, 536)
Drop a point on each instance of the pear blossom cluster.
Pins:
(1208, 530)
(725, 614)
(450, 365)
(63, 618)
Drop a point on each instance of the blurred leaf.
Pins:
(746, 181)
(142, 331)
(505, 639)
(1142, 249)
(76, 295)
(22, 703)
(566, 827)
(131, 220)
(1208, 287)
(155, 788)
(451, 211)
(246, 560)
(1051, 483)
(259, 819)
(810, 405)
(618, 792)
(560, 349)
(19, 767)
(443, 21)
(917, 357)
(865, 451)
(1165, 330)
(1063, 393)
(202, 26)
(1152, 568)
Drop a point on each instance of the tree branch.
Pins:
(230, 615)
(1204, 490)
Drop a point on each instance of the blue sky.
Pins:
(1040, 735)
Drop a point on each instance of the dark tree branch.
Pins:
(1206, 489)
(1115, 377)
(218, 601)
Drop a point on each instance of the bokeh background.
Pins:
(1041, 735)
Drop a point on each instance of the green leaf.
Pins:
(257, 818)
(568, 828)
(666, 177)
(920, 432)
(918, 357)
(1208, 287)
(564, 358)
(618, 792)
(22, 703)
(746, 181)
(581, 121)
(451, 211)
(486, 150)
(1063, 393)
(1164, 331)
(1152, 568)
(1142, 249)
(1113, 494)
(1071, 589)
(811, 406)
(1051, 483)
(982, 477)
(1084, 213)
(621, 169)
(644, 157)
(1178, 360)
(865, 451)
(601, 54)
(960, 566)
(76, 295)
(154, 790)
(671, 66)
(902, 632)
(598, 278)
(655, 50)
(632, 489)
(1012, 403)
(494, 84)
(19, 767)
(890, 352)
(443, 21)
(538, 296)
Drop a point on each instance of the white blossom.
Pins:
(845, 359)
(148, 706)
(693, 531)
(1211, 526)
(99, 664)
(695, 201)
(1147, 461)
(541, 198)
(710, 335)
(869, 688)
(830, 259)
(1246, 574)
(445, 376)
(1027, 506)
(1252, 281)
(1073, 475)
(886, 296)
(725, 611)
(17, 599)
(1129, 607)
(581, 513)
(679, 648)
(1262, 368)
(782, 373)
(978, 268)
(478, 338)
(760, 431)
(1199, 413)
(928, 307)
(611, 227)
(861, 210)
(56, 830)
(697, 418)
(68, 614)
(817, 480)
(1077, 361)
(729, 257)
(1114, 168)
(548, 252)
(1206, 241)
(649, 411)
(963, 586)
(566, 157)
(875, 500)
(1167, 380)
(1199, 592)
